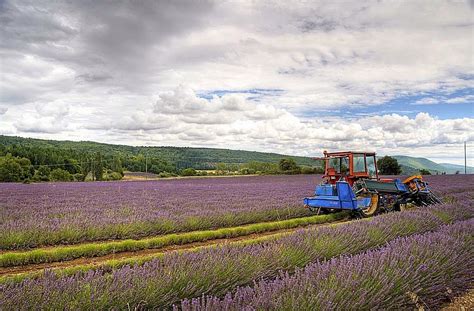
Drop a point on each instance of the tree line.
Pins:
(25, 160)
(30, 160)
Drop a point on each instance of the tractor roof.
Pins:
(344, 153)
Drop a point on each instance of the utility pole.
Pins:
(146, 166)
(465, 159)
(93, 169)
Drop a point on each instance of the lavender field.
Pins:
(64, 213)
(394, 260)
(385, 261)
(51, 213)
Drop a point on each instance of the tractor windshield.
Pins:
(339, 164)
(359, 163)
(372, 170)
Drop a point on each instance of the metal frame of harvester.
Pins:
(351, 182)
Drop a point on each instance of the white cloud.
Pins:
(112, 75)
(461, 100)
(427, 101)
(444, 100)
(47, 118)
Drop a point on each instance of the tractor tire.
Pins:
(373, 207)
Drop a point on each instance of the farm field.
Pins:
(233, 232)
(65, 213)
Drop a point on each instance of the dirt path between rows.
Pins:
(463, 302)
(96, 261)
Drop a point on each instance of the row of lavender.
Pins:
(216, 271)
(65, 213)
(409, 273)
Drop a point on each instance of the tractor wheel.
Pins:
(372, 208)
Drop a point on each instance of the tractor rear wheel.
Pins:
(372, 208)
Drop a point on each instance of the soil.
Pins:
(464, 302)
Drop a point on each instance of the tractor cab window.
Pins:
(359, 163)
(372, 170)
(340, 165)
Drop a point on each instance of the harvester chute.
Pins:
(351, 182)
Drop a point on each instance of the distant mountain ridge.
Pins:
(199, 158)
(458, 168)
(412, 165)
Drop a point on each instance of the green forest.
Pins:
(27, 159)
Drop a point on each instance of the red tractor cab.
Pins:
(349, 166)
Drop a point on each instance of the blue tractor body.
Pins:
(339, 196)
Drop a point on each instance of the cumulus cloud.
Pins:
(213, 125)
(190, 108)
(47, 118)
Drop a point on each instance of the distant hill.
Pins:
(41, 151)
(457, 168)
(412, 165)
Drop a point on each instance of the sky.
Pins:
(293, 77)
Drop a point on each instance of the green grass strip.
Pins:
(64, 253)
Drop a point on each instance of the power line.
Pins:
(64, 164)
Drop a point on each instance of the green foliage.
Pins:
(166, 174)
(110, 175)
(14, 169)
(256, 167)
(425, 172)
(116, 165)
(247, 171)
(72, 166)
(188, 172)
(78, 177)
(42, 173)
(289, 166)
(10, 169)
(58, 174)
(98, 167)
(311, 170)
(388, 166)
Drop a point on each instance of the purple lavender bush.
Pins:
(413, 272)
(63, 213)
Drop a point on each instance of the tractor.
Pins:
(351, 182)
